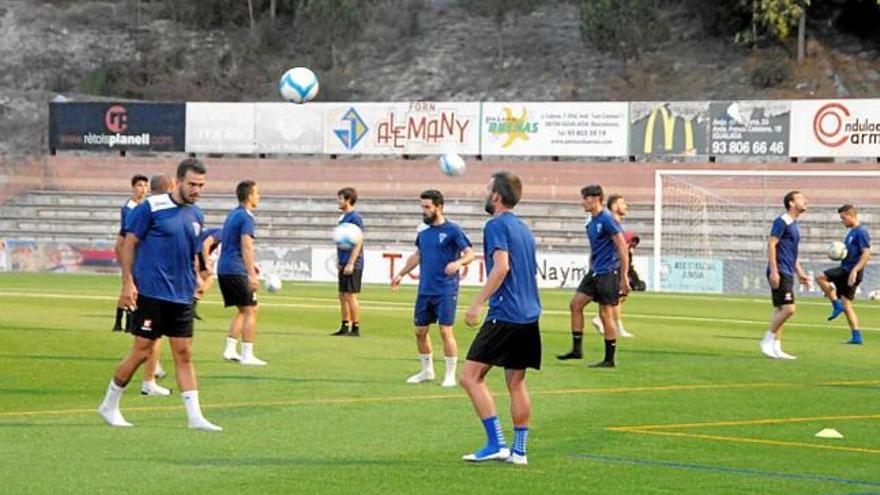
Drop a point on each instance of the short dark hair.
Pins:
(160, 183)
(244, 189)
(434, 195)
(508, 186)
(190, 164)
(592, 190)
(613, 199)
(789, 197)
(348, 193)
(847, 208)
(138, 178)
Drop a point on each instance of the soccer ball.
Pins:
(837, 251)
(874, 295)
(452, 164)
(347, 235)
(273, 283)
(298, 85)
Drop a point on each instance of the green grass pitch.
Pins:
(692, 408)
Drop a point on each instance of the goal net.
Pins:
(711, 226)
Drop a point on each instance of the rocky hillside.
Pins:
(112, 49)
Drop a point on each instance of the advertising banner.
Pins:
(220, 128)
(289, 128)
(678, 128)
(402, 128)
(835, 128)
(287, 263)
(117, 126)
(749, 127)
(681, 274)
(555, 129)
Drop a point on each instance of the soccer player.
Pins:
(782, 266)
(138, 193)
(510, 336)
(237, 274)
(618, 208)
(607, 279)
(442, 248)
(848, 275)
(351, 267)
(159, 259)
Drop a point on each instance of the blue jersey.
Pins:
(216, 233)
(438, 246)
(517, 300)
(603, 252)
(856, 240)
(344, 255)
(123, 214)
(239, 222)
(788, 232)
(168, 235)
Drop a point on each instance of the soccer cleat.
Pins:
(768, 350)
(596, 322)
(777, 349)
(421, 377)
(488, 453)
(518, 459)
(835, 312)
(342, 332)
(253, 361)
(570, 355)
(153, 389)
(854, 341)
(449, 382)
(623, 333)
(354, 333)
(203, 425)
(231, 355)
(113, 417)
(603, 364)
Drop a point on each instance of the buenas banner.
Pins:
(420, 128)
(835, 128)
(554, 129)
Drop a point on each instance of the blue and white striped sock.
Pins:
(520, 438)
(494, 433)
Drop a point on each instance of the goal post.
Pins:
(711, 226)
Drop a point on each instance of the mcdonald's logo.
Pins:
(668, 131)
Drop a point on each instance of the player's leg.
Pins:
(230, 353)
(426, 355)
(618, 319)
(344, 312)
(181, 349)
(354, 307)
(249, 336)
(151, 372)
(473, 376)
(606, 313)
(827, 281)
(853, 319)
(576, 308)
(520, 411)
(109, 408)
(450, 355)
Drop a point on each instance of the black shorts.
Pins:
(154, 318)
(350, 283)
(604, 289)
(514, 346)
(236, 290)
(785, 293)
(840, 278)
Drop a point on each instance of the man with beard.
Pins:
(442, 248)
(159, 259)
(510, 336)
(782, 265)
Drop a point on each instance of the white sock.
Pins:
(427, 363)
(114, 393)
(620, 326)
(450, 366)
(231, 344)
(769, 337)
(159, 369)
(191, 403)
(150, 383)
(247, 350)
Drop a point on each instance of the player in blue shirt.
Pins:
(138, 193)
(350, 264)
(159, 260)
(510, 336)
(616, 204)
(847, 277)
(607, 279)
(237, 274)
(442, 248)
(782, 266)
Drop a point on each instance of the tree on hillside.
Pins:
(622, 28)
(499, 11)
(327, 25)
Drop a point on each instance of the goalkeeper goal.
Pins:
(711, 226)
